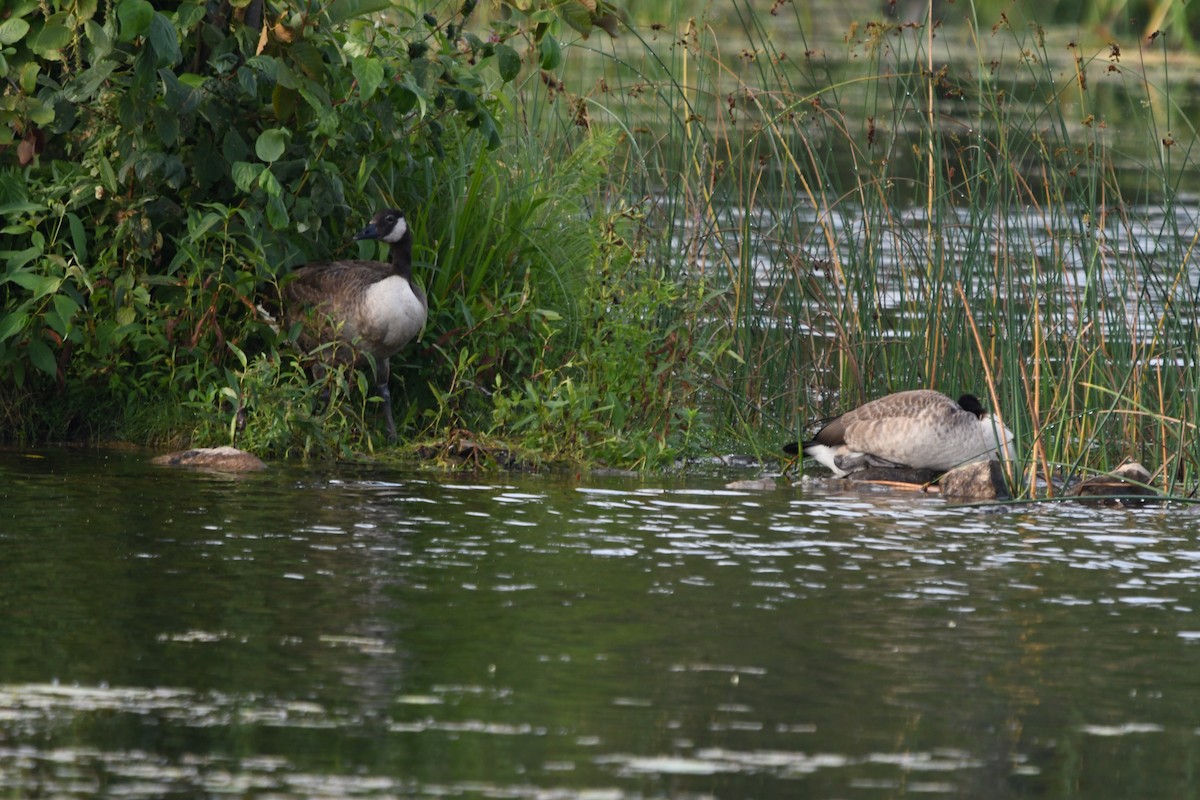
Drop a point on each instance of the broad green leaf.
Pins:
(13, 30)
(166, 124)
(309, 59)
(39, 285)
(181, 98)
(135, 17)
(271, 143)
(369, 74)
(66, 306)
(42, 357)
(342, 10)
(78, 237)
(64, 311)
(163, 39)
(29, 75)
(283, 102)
(12, 323)
(85, 9)
(508, 62)
(108, 177)
(277, 214)
(16, 259)
(578, 16)
(245, 175)
(550, 52)
(101, 43)
(189, 16)
(196, 230)
(53, 36)
(270, 184)
(40, 113)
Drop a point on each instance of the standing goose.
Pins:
(918, 429)
(361, 312)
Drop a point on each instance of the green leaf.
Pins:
(163, 39)
(181, 97)
(11, 324)
(284, 102)
(13, 30)
(101, 43)
(53, 36)
(508, 62)
(85, 9)
(135, 17)
(40, 113)
(39, 285)
(42, 357)
(271, 143)
(578, 16)
(16, 259)
(245, 175)
(343, 10)
(78, 237)
(270, 184)
(550, 52)
(369, 74)
(29, 75)
(166, 124)
(277, 214)
(309, 58)
(65, 310)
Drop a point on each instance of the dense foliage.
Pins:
(167, 164)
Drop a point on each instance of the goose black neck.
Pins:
(400, 255)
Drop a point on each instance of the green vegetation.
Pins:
(700, 235)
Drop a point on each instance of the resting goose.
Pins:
(918, 429)
(361, 312)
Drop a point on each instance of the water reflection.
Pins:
(358, 632)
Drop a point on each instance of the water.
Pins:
(360, 632)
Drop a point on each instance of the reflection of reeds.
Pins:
(964, 217)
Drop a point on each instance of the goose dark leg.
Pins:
(383, 373)
(386, 394)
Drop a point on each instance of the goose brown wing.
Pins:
(319, 283)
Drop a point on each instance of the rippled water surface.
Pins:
(361, 632)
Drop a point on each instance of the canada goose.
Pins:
(918, 429)
(367, 310)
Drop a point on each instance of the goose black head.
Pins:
(969, 402)
(386, 226)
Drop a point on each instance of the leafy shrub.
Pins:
(166, 167)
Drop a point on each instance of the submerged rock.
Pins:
(218, 459)
(1122, 487)
(754, 485)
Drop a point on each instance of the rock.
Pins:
(217, 459)
(981, 480)
(1117, 489)
(754, 485)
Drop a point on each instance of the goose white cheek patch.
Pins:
(397, 233)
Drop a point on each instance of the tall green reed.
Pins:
(969, 208)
